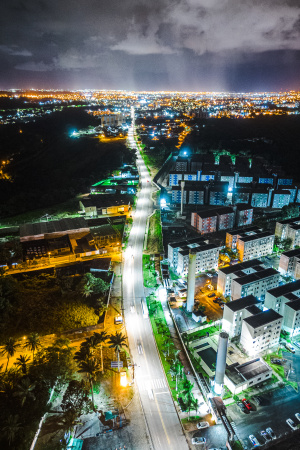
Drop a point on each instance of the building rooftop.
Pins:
(291, 253)
(239, 373)
(185, 242)
(103, 200)
(206, 214)
(254, 237)
(253, 310)
(287, 221)
(285, 289)
(53, 226)
(295, 304)
(243, 207)
(224, 210)
(242, 231)
(241, 303)
(263, 318)
(241, 266)
(252, 277)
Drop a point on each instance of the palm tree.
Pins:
(101, 338)
(90, 366)
(176, 371)
(10, 428)
(22, 362)
(187, 388)
(33, 343)
(9, 349)
(190, 403)
(168, 344)
(118, 342)
(25, 389)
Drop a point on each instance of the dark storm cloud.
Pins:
(184, 44)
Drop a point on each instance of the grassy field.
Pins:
(61, 210)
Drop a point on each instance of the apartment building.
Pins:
(182, 164)
(282, 226)
(225, 218)
(218, 194)
(293, 233)
(255, 246)
(257, 284)
(261, 331)
(235, 312)
(280, 198)
(244, 215)
(233, 235)
(289, 261)
(174, 247)
(206, 259)
(291, 318)
(176, 195)
(259, 198)
(277, 298)
(204, 221)
(227, 274)
(241, 195)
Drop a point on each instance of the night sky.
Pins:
(214, 45)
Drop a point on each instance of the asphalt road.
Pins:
(162, 420)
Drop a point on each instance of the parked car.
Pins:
(198, 440)
(265, 435)
(242, 407)
(271, 433)
(290, 347)
(297, 415)
(247, 404)
(201, 425)
(291, 424)
(254, 441)
(211, 295)
(277, 361)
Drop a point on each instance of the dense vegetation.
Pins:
(49, 304)
(49, 166)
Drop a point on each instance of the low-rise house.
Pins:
(239, 377)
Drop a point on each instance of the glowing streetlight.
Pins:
(123, 379)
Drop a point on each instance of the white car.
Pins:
(201, 425)
(297, 415)
(290, 347)
(291, 424)
(198, 440)
(254, 441)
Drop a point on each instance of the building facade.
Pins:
(261, 331)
